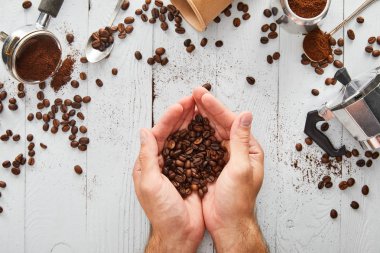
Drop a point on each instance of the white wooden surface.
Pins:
(48, 208)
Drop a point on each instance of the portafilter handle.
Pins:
(48, 9)
(320, 138)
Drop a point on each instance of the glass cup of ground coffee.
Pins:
(300, 16)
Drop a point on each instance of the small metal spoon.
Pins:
(343, 23)
(93, 55)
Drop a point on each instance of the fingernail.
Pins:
(142, 136)
(246, 119)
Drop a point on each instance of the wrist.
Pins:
(159, 242)
(243, 236)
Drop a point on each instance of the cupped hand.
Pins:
(177, 223)
(228, 206)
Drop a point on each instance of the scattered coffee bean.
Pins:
(276, 56)
(351, 34)
(125, 5)
(343, 185)
(365, 190)
(376, 53)
(78, 169)
(99, 82)
(350, 182)
(361, 163)
(236, 22)
(354, 205)
(375, 155)
(369, 49)
(219, 43)
(325, 126)
(328, 185)
(251, 80)
(82, 76)
(360, 20)
(70, 38)
(269, 59)
(114, 71)
(299, 147)
(3, 184)
(315, 92)
(246, 16)
(264, 40)
(355, 152)
(333, 214)
(27, 4)
(341, 42)
(338, 64)
(204, 42)
(369, 163)
(321, 185)
(309, 141)
(207, 86)
(267, 13)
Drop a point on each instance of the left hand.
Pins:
(177, 223)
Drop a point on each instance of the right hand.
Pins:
(228, 206)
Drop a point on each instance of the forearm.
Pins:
(245, 237)
(158, 244)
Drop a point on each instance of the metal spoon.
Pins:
(93, 55)
(343, 23)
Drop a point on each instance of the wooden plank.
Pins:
(304, 223)
(55, 207)
(12, 220)
(360, 227)
(116, 222)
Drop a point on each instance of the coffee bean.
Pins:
(3, 184)
(207, 86)
(375, 155)
(371, 40)
(78, 169)
(350, 182)
(361, 163)
(236, 22)
(180, 30)
(187, 42)
(251, 80)
(276, 56)
(368, 154)
(269, 59)
(338, 51)
(376, 53)
(309, 141)
(272, 35)
(321, 185)
(125, 5)
(273, 27)
(365, 190)
(265, 28)
(328, 185)
(325, 126)
(246, 16)
(354, 205)
(332, 41)
(99, 82)
(70, 38)
(160, 51)
(319, 71)
(299, 147)
(82, 76)
(27, 4)
(343, 185)
(369, 49)
(351, 34)
(219, 43)
(338, 64)
(264, 40)
(6, 164)
(190, 48)
(341, 42)
(114, 71)
(360, 20)
(267, 13)
(16, 137)
(86, 99)
(204, 42)
(333, 214)
(315, 92)
(369, 163)
(355, 152)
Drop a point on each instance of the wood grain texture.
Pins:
(48, 208)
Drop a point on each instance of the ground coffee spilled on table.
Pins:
(307, 8)
(193, 157)
(317, 45)
(63, 75)
(38, 59)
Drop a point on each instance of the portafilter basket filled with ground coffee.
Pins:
(32, 53)
(299, 16)
(357, 107)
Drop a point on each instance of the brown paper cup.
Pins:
(199, 13)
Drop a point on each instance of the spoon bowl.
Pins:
(94, 55)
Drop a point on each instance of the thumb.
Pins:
(148, 156)
(240, 135)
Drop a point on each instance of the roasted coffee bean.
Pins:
(376, 53)
(180, 30)
(246, 16)
(378, 40)
(355, 152)
(43, 146)
(190, 48)
(325, 126)
(354, 205)
(251, 80)
(351, 34)
(272, 35)
(3, 184)
(16, 171)
(83, 59)
(350, 182)
(333, 214)
(83, 129)
(138, 55)
(299, 147)
(273, 27)
(360, 20)
(31, 161)
(125, 5)
(276, 56)
(164, 61)
(267, 13)
(369, 163)
(16, 137)
(328, 185)
(207, 86)
(361, 163)
(82, 76)
(114, 71)
(99, 82)
(332, 41)
(368, 154)
(365, 190)
(341, 42)
(343, 185)
(219, 43)
(78, 169)
(338, 51)
(321, 184)
(371, 40)
(187, 42)
(264, 40)
(40, 95)
(338, 64)
(375, 155)
(150, 61)
(164, 26)
(160, 51)
(269, 59)
(70, 38)
(308, 141)
(348, 154)
(265, 28)
(26, 4)
(319, 71)
(6, 164)
(315, 92)
(86, 99)
(369, 49)
(236, 22)
(30, 137)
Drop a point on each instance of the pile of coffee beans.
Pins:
(193, 157)
(241, 7)
(103, 38)
(370, 48)
(158, 57)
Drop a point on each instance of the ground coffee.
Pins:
(307, 8)
(38, 59)
(63, 75)
(317, 45)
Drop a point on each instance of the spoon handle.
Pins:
(356, 12)
(116, 11)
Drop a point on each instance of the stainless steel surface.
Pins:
(356, 12)
(43, 20)
(3, 36)
(94, 55)
(293, 23)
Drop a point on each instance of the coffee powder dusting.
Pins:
(317, 45)
(307, 8)
(63, 75)
(38, 59)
